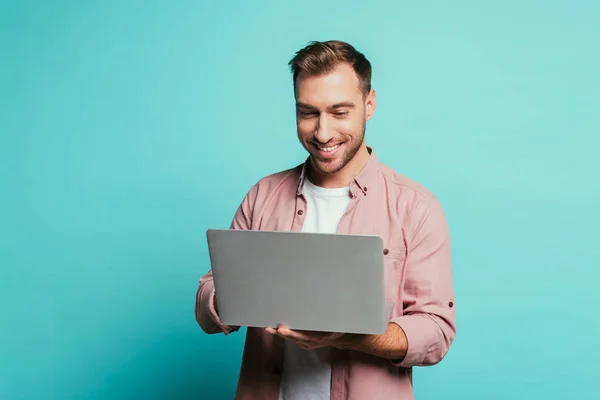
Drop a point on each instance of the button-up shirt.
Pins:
(417, 273)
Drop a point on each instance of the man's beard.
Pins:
(334, 166)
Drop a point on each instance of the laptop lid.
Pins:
(307, 281)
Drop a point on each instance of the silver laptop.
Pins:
(307, 281)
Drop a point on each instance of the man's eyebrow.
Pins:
(346, 104)
(304, 105)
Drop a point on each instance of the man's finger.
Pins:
(313, 335)
(292, 334)
(298, 336)
(286, 333)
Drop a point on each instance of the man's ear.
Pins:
(370, 104)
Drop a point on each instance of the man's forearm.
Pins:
(391, 345)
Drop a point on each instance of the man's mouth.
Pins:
(328, 149)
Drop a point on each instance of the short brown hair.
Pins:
(319, 58)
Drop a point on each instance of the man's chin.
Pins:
(326, 166)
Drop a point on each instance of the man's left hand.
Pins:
(309, 340)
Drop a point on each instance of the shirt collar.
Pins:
(359, 184)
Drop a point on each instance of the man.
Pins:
(342, 187)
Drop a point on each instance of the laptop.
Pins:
(306, 281)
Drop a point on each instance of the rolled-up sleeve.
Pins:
(429, 309)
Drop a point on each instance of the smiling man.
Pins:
(342, 187)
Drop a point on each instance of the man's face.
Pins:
(331, 115)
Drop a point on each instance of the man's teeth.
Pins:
(328, 149)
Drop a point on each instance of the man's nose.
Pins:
(323, 131)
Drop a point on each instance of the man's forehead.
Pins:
(337, 86)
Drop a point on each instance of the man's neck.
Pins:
(342, 177)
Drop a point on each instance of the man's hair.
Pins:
(319, 58)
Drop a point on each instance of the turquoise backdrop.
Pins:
(130, 128)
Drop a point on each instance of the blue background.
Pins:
(129, 128)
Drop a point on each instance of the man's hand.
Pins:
(391, 345)
(309, 340)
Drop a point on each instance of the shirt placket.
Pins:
(356, 193)
(300, 213)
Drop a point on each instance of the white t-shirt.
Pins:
(307, 373)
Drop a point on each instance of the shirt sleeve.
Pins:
(206, 314)
(429, 315)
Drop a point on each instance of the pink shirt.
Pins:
(418, 279)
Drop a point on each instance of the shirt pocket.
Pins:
(393, 264)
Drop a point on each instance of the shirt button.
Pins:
(300, 212)
(385, 252)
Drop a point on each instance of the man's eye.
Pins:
(307, 113)
(341, 113)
